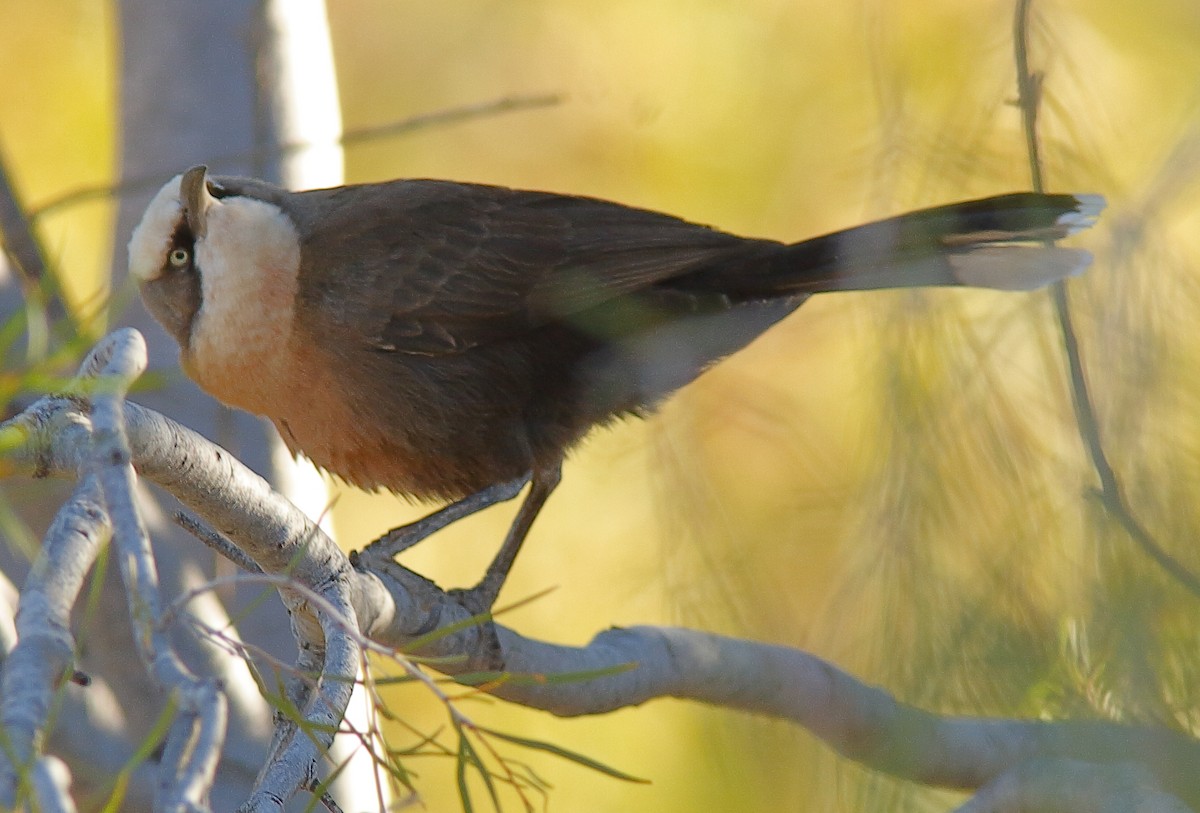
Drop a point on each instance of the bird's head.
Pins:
(162, 251)
(210, 250)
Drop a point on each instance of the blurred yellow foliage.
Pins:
(57, 107)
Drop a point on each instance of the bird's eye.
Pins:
(179, 257)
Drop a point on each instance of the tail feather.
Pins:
(1016, 267)
(999, 242)
(988, 243)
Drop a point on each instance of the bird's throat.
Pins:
(240, 341)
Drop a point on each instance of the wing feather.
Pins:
(441, 267)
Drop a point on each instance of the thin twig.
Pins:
(1029, 92)
(213, 539)
(359, 135)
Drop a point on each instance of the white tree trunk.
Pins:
(226, 83)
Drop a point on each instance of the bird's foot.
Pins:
(478, 601)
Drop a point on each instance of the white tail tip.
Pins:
(1085, 214)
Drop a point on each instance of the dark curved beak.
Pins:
(193, 194)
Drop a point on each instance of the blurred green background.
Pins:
(893, 481)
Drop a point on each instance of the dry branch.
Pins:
(338, 609)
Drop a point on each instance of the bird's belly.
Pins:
(372, 457)
(358, 455)
(366, 427)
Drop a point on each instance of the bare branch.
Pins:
(861, 722)
(197, 734)
(339, 609)
(51, 786)
(44, 654)
(1071, 786)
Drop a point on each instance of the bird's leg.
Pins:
(402, 538)
(480, 598)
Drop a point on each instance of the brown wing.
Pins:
(435, 267)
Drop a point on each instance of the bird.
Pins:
(453, 341)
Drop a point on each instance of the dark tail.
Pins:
(997, 242)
